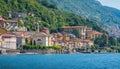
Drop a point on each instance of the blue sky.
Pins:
(111, 3)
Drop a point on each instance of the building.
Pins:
(93, 34)
(8, 24)
(16, 15)
(45, 30)
(84, 32)
(20, 39)
(9, 41)
(42, 39)
(81, 30)
(86, 43)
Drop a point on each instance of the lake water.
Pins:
(60, 61)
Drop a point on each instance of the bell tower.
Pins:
(37, 29)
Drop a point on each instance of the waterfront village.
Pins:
(15, 39)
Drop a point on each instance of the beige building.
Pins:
(42, 39)
(93, 34)
(84, 32)
(81, 30)
(8, 41)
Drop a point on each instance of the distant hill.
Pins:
(92, 9)
(45, 11)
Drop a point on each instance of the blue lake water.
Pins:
(60, 61)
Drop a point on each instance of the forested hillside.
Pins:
(45, 11)
(92, 9)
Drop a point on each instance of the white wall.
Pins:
(10, 43)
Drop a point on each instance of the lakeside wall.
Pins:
(40, 51)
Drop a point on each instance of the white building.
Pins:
(9, 41)
(42, 39)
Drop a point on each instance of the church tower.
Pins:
(37, 27)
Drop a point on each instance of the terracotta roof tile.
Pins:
(72, 26)
(7, 34)
(95, 32)
(1, 18)
(85, 40)
(10, 21)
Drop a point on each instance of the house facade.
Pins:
(42, 39)
(8, 41)
(21, 37)
(93, 34)
(10, 24)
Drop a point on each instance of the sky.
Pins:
(111, 3)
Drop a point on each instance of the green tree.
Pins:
(101, 41)
(34, 42)
(112, 41)
(76, 32)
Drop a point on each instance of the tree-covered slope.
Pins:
(92, 9)
(48, 13)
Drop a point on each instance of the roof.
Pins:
(1, 18)
(75, 39)
(89, 29)
(7, 34)
(85, 40)
(73, 26)
(98, 33)
(22, 34)
(41, 34)
(59, 34)
(10, 21)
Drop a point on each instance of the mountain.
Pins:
(45, 11)
(92, 9)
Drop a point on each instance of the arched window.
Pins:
(39, 40)
(34, 42)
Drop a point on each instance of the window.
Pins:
(39, 40)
